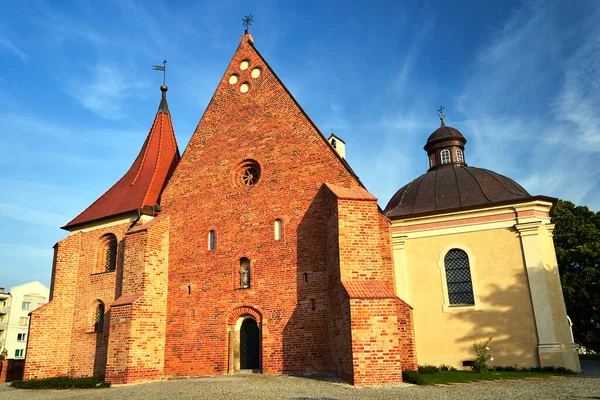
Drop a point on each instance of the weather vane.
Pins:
(247, 21)
(162, 68)
(442, 116)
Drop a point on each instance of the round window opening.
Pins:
(250, 172)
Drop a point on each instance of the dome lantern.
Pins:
(445, 147)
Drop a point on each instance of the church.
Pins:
(259, 249)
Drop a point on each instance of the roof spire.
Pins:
(163, 107)
(442, 116)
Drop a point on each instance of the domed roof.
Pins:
(453, 189)
(445, 132)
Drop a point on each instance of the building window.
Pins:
(244, 273)
(21, 337)
(211, 240)
(313, 305)
(445, 156)
(26, 305)
(459, 155)
(431, 160)
(277, 229)
(99, 317)
(458, 278)
(19, 353)
(106, 256)
(24, 321)
(333, 143)
(249, 172)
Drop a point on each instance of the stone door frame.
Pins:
(234, 325)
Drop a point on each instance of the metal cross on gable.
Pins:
(247, 21)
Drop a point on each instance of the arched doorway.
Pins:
(249, 345)
(245, 340)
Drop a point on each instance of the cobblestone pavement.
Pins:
(284, 387)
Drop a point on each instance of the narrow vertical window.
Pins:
(459, 155)
(244, 273)
(211, 240)
(313, 305)
(306, 277)
(277, 229)
(445, 156)
(99, 317)
(458, 278)
(106, 254)
(432, 160)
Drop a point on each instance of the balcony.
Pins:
(4, 310)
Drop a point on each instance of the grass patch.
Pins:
(61, 382)
(441, 376)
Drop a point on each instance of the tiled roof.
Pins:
(143, 184)
(453, 189)
(368, 289)
(356, 193)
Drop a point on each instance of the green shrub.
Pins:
(482, 356)
(428, 369)
(409, 376)
(445, 367)
(61, 382)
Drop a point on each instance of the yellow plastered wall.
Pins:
(503, 310)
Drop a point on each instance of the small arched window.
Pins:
(277, 229)
(458, 278)
(431, 160)
(106, 259)
(244, 273)
(211, 240)
(459, 155)
(445, 156)
(99, 317)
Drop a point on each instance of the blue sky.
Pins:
(521, 81)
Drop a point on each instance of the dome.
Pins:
(445, 132)
(453, 189)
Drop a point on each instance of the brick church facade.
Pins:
(258, 248)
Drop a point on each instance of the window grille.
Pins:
(458, 277)
(445, 156)
(111, 255)
(459, 156)
(99, 318)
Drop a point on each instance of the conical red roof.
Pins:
(143, 184)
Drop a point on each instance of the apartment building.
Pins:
(15, 306)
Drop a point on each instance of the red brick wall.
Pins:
(138, 318)
(406, 334)
(88, 352)
(266, 125)
(50, 326)
(3, 370)
(340, 336)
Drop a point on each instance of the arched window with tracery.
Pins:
(106, 254)
(458, 278)
(99, 317)
(460, 156)
(445, 156)
(277, 227)
(244, 273)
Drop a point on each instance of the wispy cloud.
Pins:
(9, 46)
(105, 92)
(551, 146)
(39, 217)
